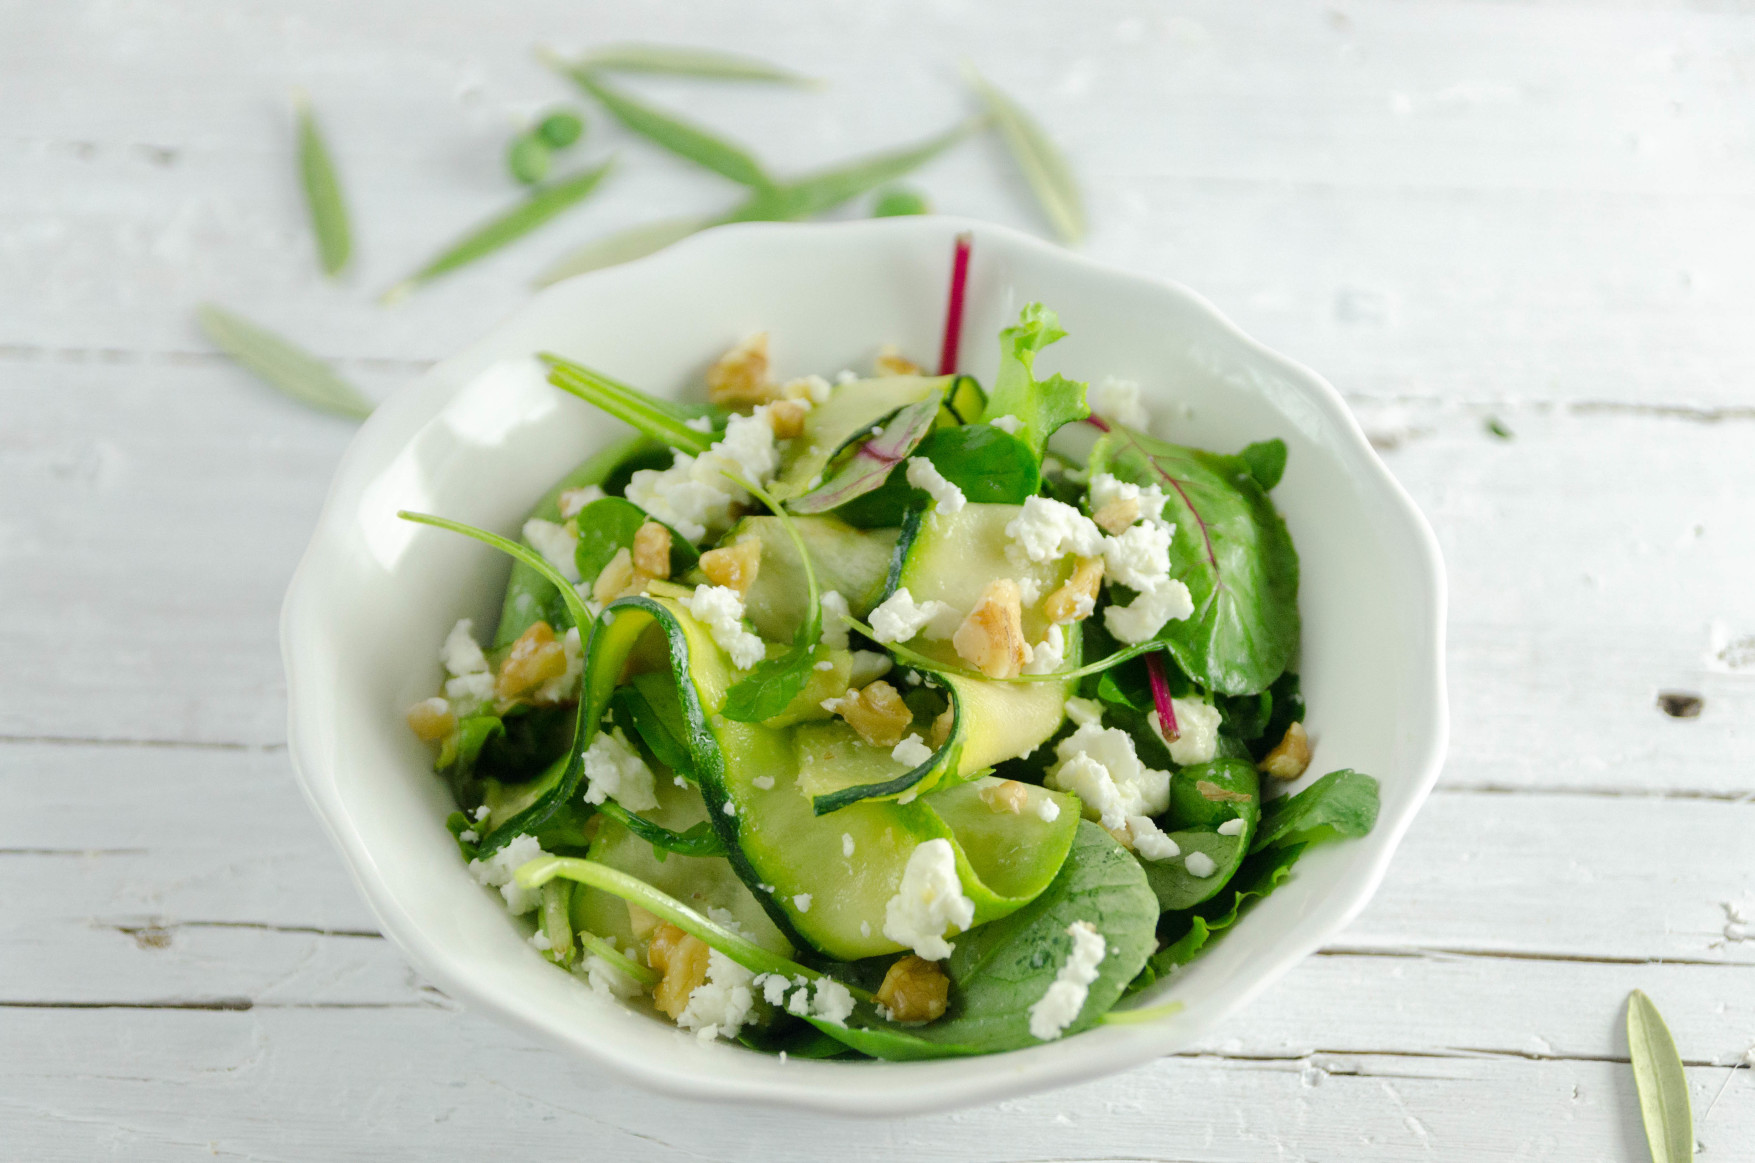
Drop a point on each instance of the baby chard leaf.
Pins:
(1661, 1081)
(545, 203)
(873, 461)
(1042, 406)
(1044, 166)
(668, 132)
(620, 247)
(282, 366)
(1267, 462)
(322, 193)
(677, 61)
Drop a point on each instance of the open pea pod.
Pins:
(853, 410)
(824, 881)
(1202, 797)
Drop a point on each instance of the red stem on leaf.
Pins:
(947, 356)
(1161, 697)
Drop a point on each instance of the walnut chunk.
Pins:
(619, 579)
(682, 959)
(639, 920)
(733, 566)
(652, 550)
(941, 728)
(1008, 795)
(1074, 601)
(1289, 759)
(914, 990)
(740, 377)
(1117, 515)
(877, 713)
(535, 658)
(431, 719)
(786, 418)
(991, 638)
(891, 362)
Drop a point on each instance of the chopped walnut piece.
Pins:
(431, 719)
(1118, 514)
(1291, 757)
(786, 418)
(733, 566)
(682, 959)
(877, 713)
(914, 990)
(1008, 795)
(1074, 601)
(740, 377)
(991, 638)
(535, 658)
(941, 727)
(652, 550)
(619, 579)
(891, 362)
(639, 920)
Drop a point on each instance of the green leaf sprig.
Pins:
(1042, 406)
(1661, 1082)
(774, 682)
(1044, 166)
(283, 366)
(700, 840)
(322, 192)
(662, 420)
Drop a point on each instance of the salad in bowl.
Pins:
(889, 715)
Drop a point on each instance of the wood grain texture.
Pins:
(1457, 212)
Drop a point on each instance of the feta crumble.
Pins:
(1197, 726)
(901, 618)
(721, 608)
(1139, 558)
(1060, 1006)
(911, 752)
(764, 782)
(694, 495)
(573, 501)
(1048, 655)
(1047, 809)
(835, 615)
(847, 844)
(1140, 619)
(607, 979)
(1048, 529)
(846, 376)
(470, 690)
(801, 902)
(929, 901)
(556, 543)
(830, 1002)
(868, 666)
(924, 475)
(1106, 490)
(1150, 841)
(1084, 712)
(1232, 827)
(615, 769)
(1099, 765)
(1200, 864)
(496, 871)
(1007, 424)
(461, 653)
(1119, 400)
(719, 1006)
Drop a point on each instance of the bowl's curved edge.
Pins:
(1039, 1068)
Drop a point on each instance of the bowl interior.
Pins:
(482, 435)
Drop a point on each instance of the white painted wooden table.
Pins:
(1454, 211)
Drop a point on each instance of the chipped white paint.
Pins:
(1456, 212)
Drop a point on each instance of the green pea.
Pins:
(528, 159)
(899, 201)
(560, 129)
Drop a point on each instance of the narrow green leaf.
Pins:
(690, 142)
(292, 371)
(1662, 1083)
(900, 202)
(1044, 166)
(662, 420)
(827, 189)
(322, 192)
(538, 208)
(676, 61)
(620, 247)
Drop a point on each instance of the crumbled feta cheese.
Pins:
(1138, 559)
(730, 809)
(924, 475)
(835, 615)
(1007, 424)
(846, 376)
(825, 666)
(613, 768)
(461, 653)
(721, 608)
(1149, 840)
(1029, 589)
(694, 494)
(911, 752)
(764, 782)
(832, 1002)
(539, 940)
(847, 843)
(470, 690)
(563, 686)
(1143, 617)
(900, 618)
(483, 813)
(573, 501)
(608, 979)
(1060, 1006)
(720, 1005)
(1047, 809)
(1232, 827)
(868, 667)
(929, 902)
(1106, 490)
(1197, 727)
(556, 543)
(773, 987)
(801, 902)
(699, 423)
(496, 871)
(1099, 765)
(1048, 529)
(469, 835)
(1119, 400)
(1084, 712)
(809, 390)
(1200, 864)
(1048, 655)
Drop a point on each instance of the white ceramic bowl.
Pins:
(481, 435)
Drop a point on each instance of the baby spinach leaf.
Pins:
(1202, 797)
(1042, 406)
(1190, 932)
(1000, 969)
(990, 466)
(1267, 461)
(700, 840)
(606, 527)
(1341, 803)
(773, 683)
(1230, 548)
(872, 462)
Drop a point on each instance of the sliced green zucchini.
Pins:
(847, 415)
(852, 562)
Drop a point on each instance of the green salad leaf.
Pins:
(988, 465)
(322, 192)
(1341, 803)
(773, 683)
(1202, 797)
(1041, 406)
(1267, 462)
(1661, 1081)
